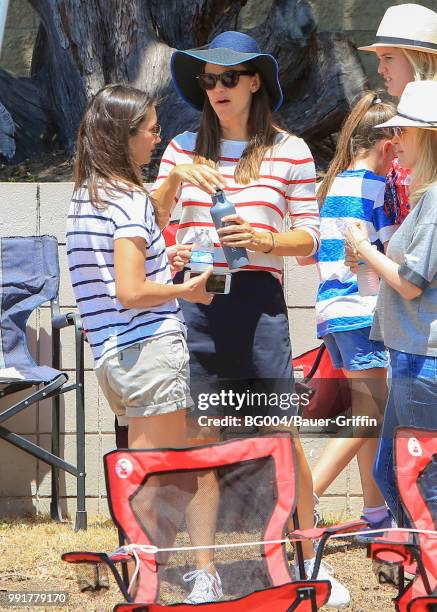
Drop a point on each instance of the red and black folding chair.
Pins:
(415, 463)
(148, 492)
(325, 385)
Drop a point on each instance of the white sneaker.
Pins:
(207, 587)
(340, 596)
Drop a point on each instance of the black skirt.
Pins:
(240, 349)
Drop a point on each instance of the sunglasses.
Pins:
(228, 79)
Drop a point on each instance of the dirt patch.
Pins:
(49, 168)
(54, 167)
(31, 561)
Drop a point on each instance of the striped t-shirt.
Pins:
(286, 186)
(354, 195)
(91, 233)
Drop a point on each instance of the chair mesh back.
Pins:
(416, 472)
(232, 497)
(427, 487)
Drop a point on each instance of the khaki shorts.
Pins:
(148, 378)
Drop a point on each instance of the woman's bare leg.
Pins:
(202, 510)
(336, 455)
(162, 431)
(305, 503)
(372, 496)
(368, 392)
(165, 496)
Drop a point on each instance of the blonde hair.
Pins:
(358, 136)
(425, 170)
(424, 64)
(424, 67)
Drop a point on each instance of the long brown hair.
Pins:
(102, 150)
(357, 136)
(262, 136)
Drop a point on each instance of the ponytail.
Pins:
(357, 136)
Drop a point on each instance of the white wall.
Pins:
(30, 208)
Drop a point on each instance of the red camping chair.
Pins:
(275, 599)
(257, 483)
(415, 463)
(327, 386)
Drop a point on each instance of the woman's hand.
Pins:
(351, 259)
(240, 233)
(194, 289)
(306, 261)
(178, 256)
(199, 175)
(356, 233)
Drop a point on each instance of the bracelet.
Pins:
(273, 244)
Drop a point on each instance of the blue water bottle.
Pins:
(221, 207)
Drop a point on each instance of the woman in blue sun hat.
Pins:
(241, 341)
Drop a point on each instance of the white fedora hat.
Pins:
(408, 26)
(417, 107)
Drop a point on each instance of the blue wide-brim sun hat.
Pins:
(226, 49)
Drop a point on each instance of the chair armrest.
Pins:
(85, 557)
(394, 547)
(96, 558)
(316, 533)
(323, 534)
(61, 320)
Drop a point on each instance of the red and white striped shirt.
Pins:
(286, 186)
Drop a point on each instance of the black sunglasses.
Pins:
(228, 79)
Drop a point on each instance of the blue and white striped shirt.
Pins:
(354, 195)
(91, 233)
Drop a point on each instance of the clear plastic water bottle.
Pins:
(221, 207)
(202, 253)
(367, 279)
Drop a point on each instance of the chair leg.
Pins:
(81, 514)
(55, 507)
(313, 601)
(298, 545)
(124, 568)
(37, 451)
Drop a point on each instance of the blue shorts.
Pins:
(353, 350)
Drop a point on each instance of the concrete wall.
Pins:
(21, 27)
(28, 209)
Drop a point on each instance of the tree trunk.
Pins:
(81, 46)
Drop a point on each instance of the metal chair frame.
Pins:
(54, 389)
